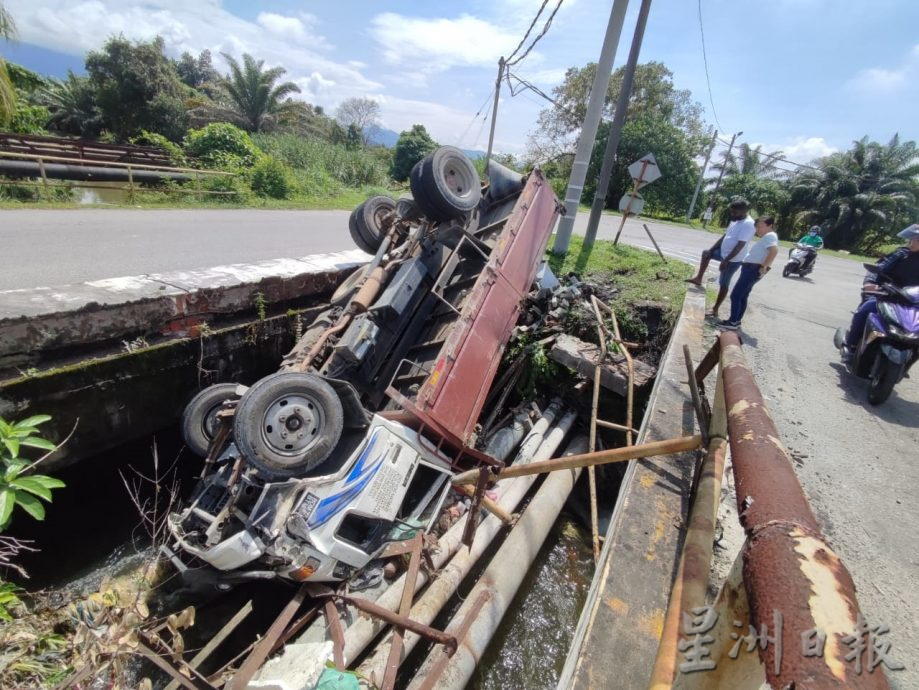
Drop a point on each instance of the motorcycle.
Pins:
(801, 260)
(889, 345)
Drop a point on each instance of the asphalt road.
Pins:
(859, 464)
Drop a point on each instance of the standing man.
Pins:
(729, 250)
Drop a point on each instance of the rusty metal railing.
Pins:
(787, 565)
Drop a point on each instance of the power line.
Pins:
(542, 33)
(708, 80)
(484, 105)
(779, 158)
(532, 24)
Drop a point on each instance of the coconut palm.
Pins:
(7, 91)
(72, 104)
(255, 96)
(861, 196)
(749, 160)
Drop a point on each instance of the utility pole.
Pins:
(695, 194)
(615, 130)
(494, 110)
(711, 205)
(589, 128)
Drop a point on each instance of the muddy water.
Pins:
(529, 649)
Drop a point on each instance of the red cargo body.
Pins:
(451, 398)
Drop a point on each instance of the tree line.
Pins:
(133, 92)
(860, 197)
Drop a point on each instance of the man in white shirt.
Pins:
(729, 250)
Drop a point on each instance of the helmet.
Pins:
(910, 233)
(815, 230)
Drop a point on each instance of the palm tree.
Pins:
(749, 160)
(73, 108)
(7, 91)
(862, 195)
(257, 100)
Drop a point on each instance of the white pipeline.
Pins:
(444, 586)
(499, 583)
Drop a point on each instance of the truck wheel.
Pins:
(447, 184)
(199, 420)
(368, 221)
(346, 290)
(288, 423)
(882, 380)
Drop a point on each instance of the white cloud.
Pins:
(436, 45)
(874, 82)
(802, 149)
(290, 41)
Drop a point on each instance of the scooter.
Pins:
(801, 260)
(889, 345)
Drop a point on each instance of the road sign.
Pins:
(631, 203)
(707, 215)
(644, 170)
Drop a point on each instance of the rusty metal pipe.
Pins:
(368, 292)
(788, 565)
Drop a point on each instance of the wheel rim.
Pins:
(291, 424)
(209, 424)
(379, 217)
(457, 177)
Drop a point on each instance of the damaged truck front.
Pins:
(311, 472)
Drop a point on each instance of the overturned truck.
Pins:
(312, 471)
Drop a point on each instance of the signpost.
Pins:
(643, 171)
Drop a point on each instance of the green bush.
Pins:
(176, 155)
(270, 178)
(221, 145)
(319, 163)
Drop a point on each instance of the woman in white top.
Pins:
(755, 265)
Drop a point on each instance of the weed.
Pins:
(131, 346)
(261, 306)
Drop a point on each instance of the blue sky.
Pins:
(803, 76)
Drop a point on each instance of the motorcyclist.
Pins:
(811, 239)
(900, 267)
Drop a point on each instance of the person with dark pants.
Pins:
(729, 250)
(901, 268)
(756, 264)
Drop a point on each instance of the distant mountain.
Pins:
(377, 136)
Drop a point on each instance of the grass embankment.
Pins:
(637, 275)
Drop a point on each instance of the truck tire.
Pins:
(445, 184)
(288, 423)
(199, 419)
(344, 292)
(368, 221)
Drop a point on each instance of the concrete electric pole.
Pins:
(615, 130)
(589, 128)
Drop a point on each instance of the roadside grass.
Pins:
(639, 276)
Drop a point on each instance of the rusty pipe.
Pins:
(788, 566)
(368, 292)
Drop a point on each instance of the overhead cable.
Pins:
(513, 61)
(708, 80)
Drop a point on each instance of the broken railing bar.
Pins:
(600, 457)
(615, 427)
(261, 651)
(388, 616)
(405, 607)
(691, 583)
(702, 414)
(430, 680)
(487, 504)
(592, 439)
(193, 683)
(333, 621)
(216, 640)
(654, 242)
(785, 544)
(708, 363)
(472, 515)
